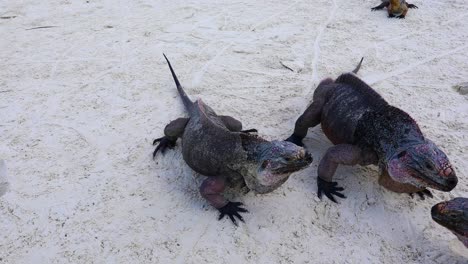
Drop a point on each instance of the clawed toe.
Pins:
(232, 210)
(164, 143)
(329, 189)
(422, 194)
(157, 140)
(250, 131)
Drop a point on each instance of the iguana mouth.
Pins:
(295, 165)
(443, 186)
(289, 169)
(446, 186)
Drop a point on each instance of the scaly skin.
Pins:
(217, 147)
(367, 130)
(454, 216)
(395, 8)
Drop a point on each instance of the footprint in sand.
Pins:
(4, 185)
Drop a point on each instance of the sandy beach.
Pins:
(84, 90)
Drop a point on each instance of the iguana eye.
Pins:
(401, 154)
(429, 166)
(265, 164)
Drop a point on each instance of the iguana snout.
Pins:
(453, 215)
(423, 165)
(278, 159)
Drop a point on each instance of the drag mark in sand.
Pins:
(199, 75)
(317, 47)
(401, 70)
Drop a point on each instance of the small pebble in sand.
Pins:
(461, 88)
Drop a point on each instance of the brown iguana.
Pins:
(395, 8)
(367, 130)
(217, 147)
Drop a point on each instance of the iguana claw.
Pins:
(164, 143)
(232, 209)
(412, 6)
(296, 140)
(250, 131)
(422, 194)
(329, 189)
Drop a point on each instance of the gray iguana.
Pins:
(366, 130)
(453, 215)
(395, 8)
(217, 147)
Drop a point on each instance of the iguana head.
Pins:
(272, 162)
(423, 165)
(453, 215)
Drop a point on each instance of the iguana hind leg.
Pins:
(172, 132)
(234, 125)
(212, 189)
(386, 181)
(311, 116)
(343, 154)
(381, 6)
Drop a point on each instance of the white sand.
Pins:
(81, 103)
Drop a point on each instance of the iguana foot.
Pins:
(422, 194)
(412, 6)
(401, 17)
(250, 131)
(164, 143)
(376, 8)
(232, 209)
(296, 140)
(329, 189)
(391, 15)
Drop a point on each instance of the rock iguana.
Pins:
(217, 147)
(395, 8)
(366, 130)
(453, 215)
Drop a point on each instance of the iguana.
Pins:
(367, 130)
(217, 147)
(453, 215)
(395, 8)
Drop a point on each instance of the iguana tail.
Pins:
(358, 66)
(185, 99)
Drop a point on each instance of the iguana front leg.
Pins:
(211, 189)
(343, 154)
(381, 6)
(403, 15)
(311, 116)
(386, 181)
(234, 125)
(172, 132)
